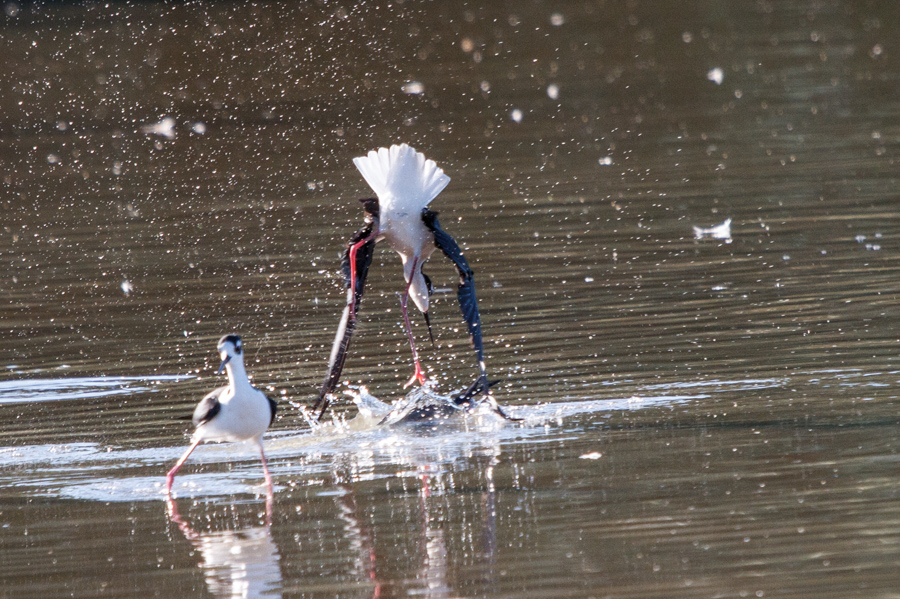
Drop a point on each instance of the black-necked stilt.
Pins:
(405, 182)
(236, 412)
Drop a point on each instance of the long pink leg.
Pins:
(419, 374)
(353, 249)
(270, 488)
(170, 477)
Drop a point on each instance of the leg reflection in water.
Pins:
(241, 563)
(360, 536)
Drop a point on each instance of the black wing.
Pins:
(208, 407)
(468, 303)
(348, 321)
(481, 385)
(273, 407)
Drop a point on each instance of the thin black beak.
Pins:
(222, 365)
(428, 322)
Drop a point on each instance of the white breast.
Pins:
(243, 415)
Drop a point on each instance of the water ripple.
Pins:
(32, 390)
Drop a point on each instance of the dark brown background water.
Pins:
(738, 395)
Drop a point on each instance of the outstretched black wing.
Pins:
(348, 320)
(468, 303)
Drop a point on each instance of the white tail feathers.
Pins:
(401, 177)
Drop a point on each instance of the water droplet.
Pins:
(164, 128)
(414, 88)
(721, 231)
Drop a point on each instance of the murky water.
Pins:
(707, 412)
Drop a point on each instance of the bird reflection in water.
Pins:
(438, 511)
(361, 537)
(433, 572)
(242, 563)
(437, 517)
(489, 525)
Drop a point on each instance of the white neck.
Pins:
(237, 376)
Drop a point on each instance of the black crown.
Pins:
(234, 340)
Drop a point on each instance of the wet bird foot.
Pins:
(418, 376)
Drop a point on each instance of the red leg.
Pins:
(404, 299)
(353, 249)
(170, 477)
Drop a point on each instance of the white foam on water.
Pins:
(32, 390)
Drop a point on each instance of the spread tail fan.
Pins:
(401, 177)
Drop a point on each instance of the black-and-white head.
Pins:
(229, 348)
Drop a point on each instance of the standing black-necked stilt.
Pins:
(236, 412)
(405, 182)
